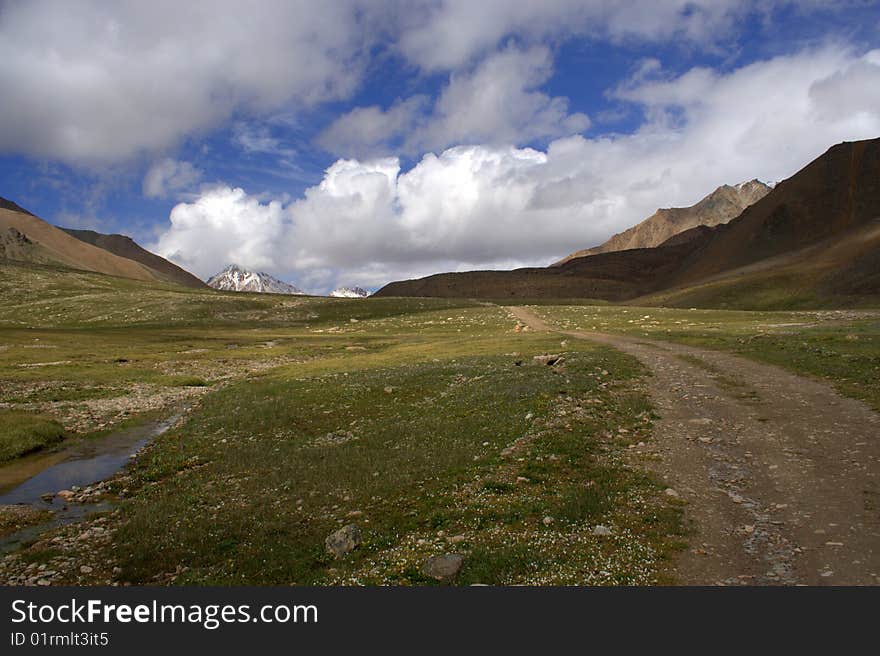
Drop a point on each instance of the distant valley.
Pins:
(812, 241)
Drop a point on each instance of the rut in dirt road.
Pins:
(781, 474)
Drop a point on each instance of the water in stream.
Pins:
(28, 480)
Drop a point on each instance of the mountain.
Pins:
(238, 279)
(27, 238)
(813, 240)
(125, 246)
(349, 292)
(9, 205)
(725, 203)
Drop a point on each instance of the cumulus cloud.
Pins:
(498, 206)
(168, 176)
(100, 82)
(223, 226)
(496, 102)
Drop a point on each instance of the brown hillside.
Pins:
(722, 205)
(125, 246)
(836, 193)
(51, 245)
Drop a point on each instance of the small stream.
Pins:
(29, 480)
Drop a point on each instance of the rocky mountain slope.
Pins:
(725, 203)
(349, 292)
(238, 279)
(27, 238)
(125, 246)
(24, 237)
(813, 240)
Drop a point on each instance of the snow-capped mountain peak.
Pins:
(238, 279)
(349, 292)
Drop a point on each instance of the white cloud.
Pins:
(102, 82)
(223, 226)
(95, 82)
(366, 131)
(255, 138)
(496, 102)
(491, 206)
(450, 33)
(168, 176)
(499, 103)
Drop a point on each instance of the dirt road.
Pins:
(781, 474)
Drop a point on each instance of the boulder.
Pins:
(443, 568)
(343, 541)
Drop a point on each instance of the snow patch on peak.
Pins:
(349, 292)
(235, 278)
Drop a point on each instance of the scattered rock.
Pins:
(549, 360)
(85, 569)
(669, 492)
(601, 530)
(547, 520)
(343, 541)
(443, 568)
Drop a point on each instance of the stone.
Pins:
(85, 569)
(669, 492)
(66, 495)
(343, 541)
(601, 530)
(547, 520)
(549, 360)
(443, 568)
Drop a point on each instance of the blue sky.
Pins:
(359, 142)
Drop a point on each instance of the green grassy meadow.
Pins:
(426, 422)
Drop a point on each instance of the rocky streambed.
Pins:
(46, 490)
